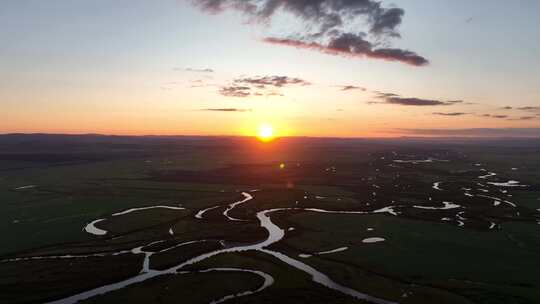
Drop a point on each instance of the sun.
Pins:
(266, 132)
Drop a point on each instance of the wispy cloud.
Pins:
(351, 88)
(272, 81)
(260, 86)
(235, 91)
(524, 118)
(205, 70)
(534, 109)
(226, 110)
(495, 116)
(394, 99)
(200, 83)
(268, 94)
(450, 114)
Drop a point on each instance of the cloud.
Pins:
(351, 87)
(274, 94)
(226, 110)
(268, 94)
(352, 45)
(196, 70)
(494, 116)
(450, 114)
(260, 86)
(235, 91)
(529, 108)
(338, 27)
(524, 118)
(414, 101)
(202, 84)
(272, 81)
(506, 108)
(385, 95)
(475, 132)
(322, 16)
(394, 99)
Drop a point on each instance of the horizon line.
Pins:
(277, 137)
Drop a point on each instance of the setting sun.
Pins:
(266, 132)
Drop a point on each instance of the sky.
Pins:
(337, 68)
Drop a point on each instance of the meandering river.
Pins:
(275, 234)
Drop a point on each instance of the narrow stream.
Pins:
(247, 197)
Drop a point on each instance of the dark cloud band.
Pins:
(394, 99)
(475, 132)
(450, 114)
(351, 45)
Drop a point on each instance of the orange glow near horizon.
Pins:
(266, 133)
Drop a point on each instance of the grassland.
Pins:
(483, 248)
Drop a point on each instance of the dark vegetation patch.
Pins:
(47, 280)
